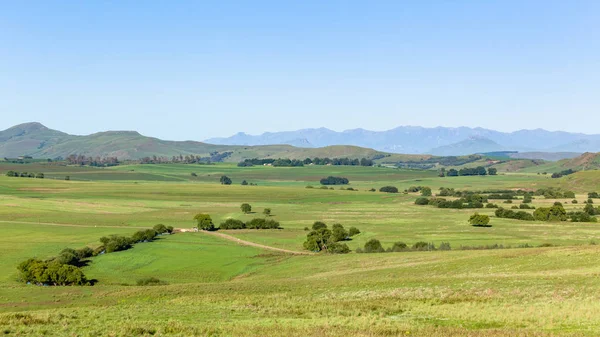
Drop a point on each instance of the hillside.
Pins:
(469, 146)
(38, 141)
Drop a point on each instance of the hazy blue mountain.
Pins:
(418, 140)
(468, 146)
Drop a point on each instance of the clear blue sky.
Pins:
(199, 69)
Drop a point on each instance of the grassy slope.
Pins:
(236, 290)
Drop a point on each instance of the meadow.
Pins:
(218, 287)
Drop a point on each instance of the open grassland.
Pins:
(220, 288)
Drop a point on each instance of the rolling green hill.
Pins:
(38, 141)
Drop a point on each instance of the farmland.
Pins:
(215, 286)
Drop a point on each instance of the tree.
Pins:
(334, 181)
(225, 180)
(267, 212)
(317, 240)
(373, 246)
(204, 222)
(479, 220)
(246, 208)
(399, 247)
(338, 233)
(244, 183)
(160, 228)
(426, 191)
(422, 201)
(492, 171)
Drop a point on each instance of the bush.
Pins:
(399, 247)
(574, 201)
(147, 235)
(50, 272)
(389, 189)
(352, 231)
(232, 224)
(338, 248)
(426, 191)
(479, 220)
(422, 201)
(260, 223)
(491, 206)
(421, 245)
(373, 246)
(318, 225)
(115, 243)
(160, 229)
(150, 281)
(445, 246)
(309, 186)
(267, 212)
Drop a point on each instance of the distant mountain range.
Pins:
(420, 140)
(38, 141)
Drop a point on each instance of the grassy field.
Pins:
(220, 288)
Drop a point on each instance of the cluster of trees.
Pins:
(323, 239)
(187, 159)
(425, 191)
(307, 161)
(562, 173)
(426, 164)
(593, 195)
(204, 222)
(475, 171)
(79, 159)
(116, 243)
(554, 193)
(257, 223)
(334, 181)
(554, 213)
(374, 246)
(225, 180)
(25, 174)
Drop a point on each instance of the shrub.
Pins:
(144, 236)
(373, 246)
(244, 183)
(426, 191)
(50, 272)
(491, 206)
(389, 189)
(422, 201)
(574, 201)
(309, 186)
(318, 225)
(338, 248)
(160, 228)
(352, 231)
(150, 281)
(445, 246)
(267, 212)
(232, 224)
(421, 245)
(479, 220)
(225, 180)
(399, 247)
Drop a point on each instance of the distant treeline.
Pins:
(426, 164)
(25, 174)
(563, 173)
(82, 160)
(466, 171)
(307, 161)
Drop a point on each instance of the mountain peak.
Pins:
(29, 127)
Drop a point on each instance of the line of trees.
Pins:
(374, 246)
(562, 173)
(65, 269)
(476, 171)
(25, 174)
(307, 161)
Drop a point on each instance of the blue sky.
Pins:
(199, 69)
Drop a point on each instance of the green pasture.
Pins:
(218, 287)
